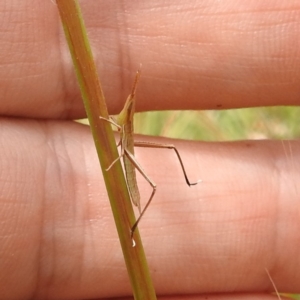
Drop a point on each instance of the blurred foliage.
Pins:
(222, 125)
(294, 296)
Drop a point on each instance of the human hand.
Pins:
(57, 236)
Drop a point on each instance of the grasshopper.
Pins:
(124, 123)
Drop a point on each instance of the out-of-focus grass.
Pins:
(235, 124)
(294, 296)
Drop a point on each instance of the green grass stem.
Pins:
(95, 106)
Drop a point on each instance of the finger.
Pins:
(217, 55)
(58, 239)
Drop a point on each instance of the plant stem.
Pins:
(95, 106)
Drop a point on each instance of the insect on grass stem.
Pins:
(124, 123)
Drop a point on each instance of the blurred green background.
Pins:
(223, 125)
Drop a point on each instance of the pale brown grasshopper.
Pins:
(124, 123)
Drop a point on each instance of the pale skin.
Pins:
(57, 237)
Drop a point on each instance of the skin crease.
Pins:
(57, 236)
